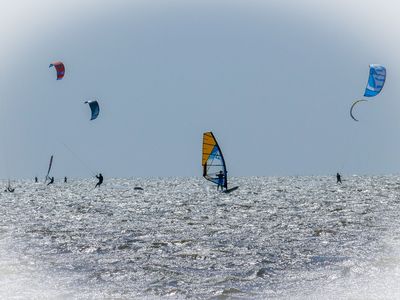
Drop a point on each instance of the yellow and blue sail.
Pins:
(376, 80)
(212, 160)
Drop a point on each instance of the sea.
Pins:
(293, 237)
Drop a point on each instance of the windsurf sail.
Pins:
(95, 108)
(60, 68)
(376, 80)
(48, 171)
(213, 161)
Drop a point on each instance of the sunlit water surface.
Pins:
(279, 238)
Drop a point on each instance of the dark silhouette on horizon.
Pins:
(338, 178)
(51, 180)
(100, 178)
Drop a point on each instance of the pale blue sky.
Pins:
(273, 80)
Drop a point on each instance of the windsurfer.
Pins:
(100, 178)
(220, 177)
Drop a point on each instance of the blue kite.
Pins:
(95, 108)
(376, 80)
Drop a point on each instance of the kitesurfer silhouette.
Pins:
(51, 180)
(338, 178)
(220, 183)
(100, 178)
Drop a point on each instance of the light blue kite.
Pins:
(376, 80)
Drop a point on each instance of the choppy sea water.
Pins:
(274, 238)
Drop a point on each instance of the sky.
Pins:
(273, 80)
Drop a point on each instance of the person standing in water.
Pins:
(65, 179)
(36, 180)
(100, 178)
(220, 183)
(338, 178)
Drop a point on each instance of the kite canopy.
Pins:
(213, 161)
(95, 109)
(376, 80)
(59, 66)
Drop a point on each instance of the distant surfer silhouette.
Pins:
(100, 178)
(51, 180)
(9, 188)
(338, 178)
(36, 180)
(65, 179)
(220, 183)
